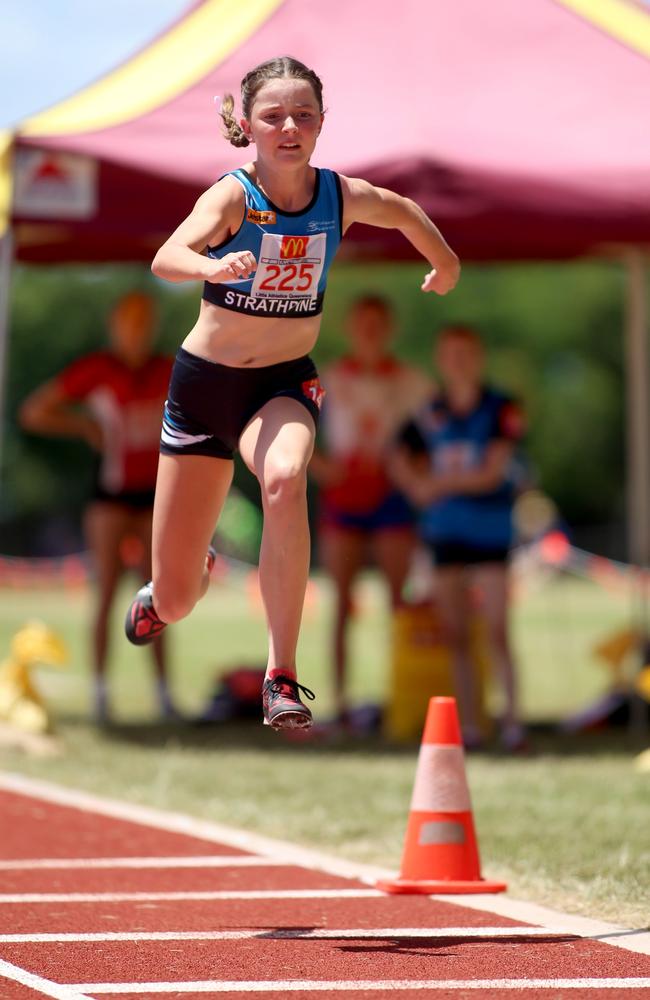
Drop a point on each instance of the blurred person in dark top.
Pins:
(456, 462)
(113, 400)
(370, 393)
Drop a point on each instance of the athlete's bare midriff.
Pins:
(232, 338)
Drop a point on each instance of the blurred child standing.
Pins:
(456, 462)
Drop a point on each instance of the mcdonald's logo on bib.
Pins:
(293, 246)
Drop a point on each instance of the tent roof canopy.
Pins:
(520, 128)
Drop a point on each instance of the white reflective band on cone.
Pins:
(441, 832)
(440, 783)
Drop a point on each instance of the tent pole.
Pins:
(637, 365)
(6, 262)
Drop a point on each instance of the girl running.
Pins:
(262, 238)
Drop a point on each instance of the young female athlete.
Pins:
(370, 395)
(262, 238)
(113, 400)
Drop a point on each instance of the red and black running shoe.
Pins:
(142, 624)
(282, 706)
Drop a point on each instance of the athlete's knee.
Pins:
(284, 480)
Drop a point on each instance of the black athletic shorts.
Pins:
(461, 554)
(134, 500)
(208, 404)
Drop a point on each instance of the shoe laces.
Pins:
(276, 685)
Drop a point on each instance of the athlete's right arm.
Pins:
(49, 410)
(216, 215)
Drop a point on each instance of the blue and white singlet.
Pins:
(457, 442)
(293, 251)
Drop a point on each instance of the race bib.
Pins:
(289, 267)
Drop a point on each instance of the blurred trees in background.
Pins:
(554, 339)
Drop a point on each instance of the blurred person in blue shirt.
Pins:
(456, 461)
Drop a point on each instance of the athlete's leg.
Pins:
(393, 550)
(453, 604)
(492, 578)
(190, 493)
(342, 552)
(141, 524)
(276, 446)
(104, 527)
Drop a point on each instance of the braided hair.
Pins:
(272, 69)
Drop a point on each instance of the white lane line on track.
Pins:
(532, 913)
(40, 985)
(350, 986)
(515, 909)
(192, 861)
(139, 897)
(190, 826)
(316, 934)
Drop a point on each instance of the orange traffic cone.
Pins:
(440, 851)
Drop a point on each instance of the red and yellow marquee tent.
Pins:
(521, 127)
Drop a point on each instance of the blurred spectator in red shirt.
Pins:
(113, 400)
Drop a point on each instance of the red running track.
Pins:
(239, 924)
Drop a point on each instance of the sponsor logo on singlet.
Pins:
(320, 226)
(261, 218)
(241, 302)
(289, 269)
(293, 246)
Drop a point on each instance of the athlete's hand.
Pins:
(442, 279)
(234, 266)
(418, 486)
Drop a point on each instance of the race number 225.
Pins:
(288, 277)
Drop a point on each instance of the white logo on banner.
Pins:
(50, 185)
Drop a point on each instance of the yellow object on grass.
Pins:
(21, 705)
(421, 668)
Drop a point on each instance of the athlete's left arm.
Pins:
(483, 478)
(424, 487)
(374, 206)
